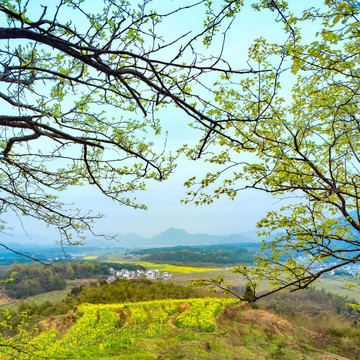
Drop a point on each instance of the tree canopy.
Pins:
(83, 98)
(81, 85)
(300, 144)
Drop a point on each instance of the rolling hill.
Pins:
(207, 328)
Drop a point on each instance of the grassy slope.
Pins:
(139, 331)
(338, 285)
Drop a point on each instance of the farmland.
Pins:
(134, 319)
(168, 267)
(103, 326)
(166, 329)
(90, 257)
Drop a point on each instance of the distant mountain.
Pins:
(100, 242)
(240, 238)
(24, 239)
(252, 235)
(172, 236)
(168, 238)
(122, 240)
(128, 240)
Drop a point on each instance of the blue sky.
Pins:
(163, 199)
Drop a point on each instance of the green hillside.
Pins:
(208, 328)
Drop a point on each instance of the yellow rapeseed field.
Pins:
(168, 267)
(100, 328)
(90, 257)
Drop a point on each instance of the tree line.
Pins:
(130, 291)
(31, 279)
(233, 256)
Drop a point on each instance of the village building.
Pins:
(151, 274)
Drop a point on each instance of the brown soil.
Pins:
(184, 307)
(276, 324)
(60, 324)
(4, 299)
(181, 308)
(333, 357)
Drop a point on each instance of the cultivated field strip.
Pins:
(97, 328)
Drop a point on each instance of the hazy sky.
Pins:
(163, 199)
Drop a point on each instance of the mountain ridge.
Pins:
(170, 237)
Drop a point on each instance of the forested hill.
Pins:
(216, 254)
(32, 279)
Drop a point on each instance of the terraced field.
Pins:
(166, 329)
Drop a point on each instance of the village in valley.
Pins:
(137, 274)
